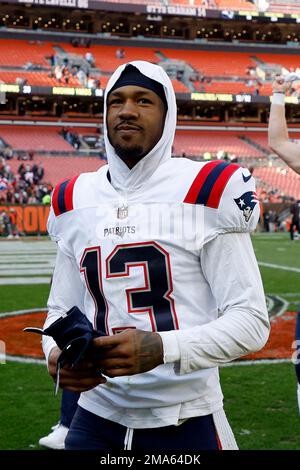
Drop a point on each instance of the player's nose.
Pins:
(129, 109)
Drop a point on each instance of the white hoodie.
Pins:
(123, 179)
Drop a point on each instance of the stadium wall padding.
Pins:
(30, 219)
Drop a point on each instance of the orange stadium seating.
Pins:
(105, 56)
(284, 6)
(284, 180)
(261, 138)
(196, 143)
(214, 65)
(219, 4)
(235, 5)
(34, 138)
(226, 87)
(17, 52)
(36, 79)
(145, 2)
(190, 142)
(285, 60)
(179, 87)
(60, 168)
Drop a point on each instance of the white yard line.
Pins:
(24, 360)
(22, 312)
(257, 362)
(31, 360)
(279, 266)
(5, 281)
(28, 270)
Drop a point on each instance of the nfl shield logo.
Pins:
(122, 212)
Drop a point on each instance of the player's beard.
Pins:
(125, 153)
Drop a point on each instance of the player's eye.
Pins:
(144, 101)
(114, 101)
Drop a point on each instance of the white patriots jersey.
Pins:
(138, 261)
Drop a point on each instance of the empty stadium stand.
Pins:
(34, 138)
(42, 139)
(226, 71)
(195, 144)
(284, 180)
(60, 168)
(235, 5)
(105, 56)
(36, 79)
(15, 52)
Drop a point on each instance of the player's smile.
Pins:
(128, 129)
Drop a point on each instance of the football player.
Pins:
(156, 252)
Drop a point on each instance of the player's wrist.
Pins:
(278, 98)
(171, 350)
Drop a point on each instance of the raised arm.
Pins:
(277, 132)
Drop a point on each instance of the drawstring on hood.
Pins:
(124, 179)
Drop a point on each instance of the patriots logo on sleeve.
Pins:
(246, 203)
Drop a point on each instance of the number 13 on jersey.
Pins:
(154, 298)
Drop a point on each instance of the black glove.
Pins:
(73, 334)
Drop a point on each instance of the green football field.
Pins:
(260, 400)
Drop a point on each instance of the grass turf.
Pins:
(22, 297)
(260, 403)
(28, 406)
(260, 400)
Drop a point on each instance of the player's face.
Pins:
(135, 122)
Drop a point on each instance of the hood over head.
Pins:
(123, 178)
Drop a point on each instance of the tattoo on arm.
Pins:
(149, 351)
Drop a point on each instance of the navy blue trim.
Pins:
(297, 338)
(61, 197)
(208, 184)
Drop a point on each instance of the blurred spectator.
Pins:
(21, 81)
(5, 224)
(120, 53)
(24, 187)
(272, 220)
(52, 59)
(58, 73)
(295, 222)
(266, 217)
(13, 222)
(46, 199)
(90, 58)
(82, 77)
(8, 153)
(75, 42)
(71, 137)
(40, 172)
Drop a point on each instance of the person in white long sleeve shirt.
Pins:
(287, 150)
(156, 252)
(278, 135)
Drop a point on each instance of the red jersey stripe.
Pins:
(198, 182)
(55, 199)
(219, 186)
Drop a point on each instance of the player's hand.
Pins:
(82, 377)
(280, 85)
(127, 353)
